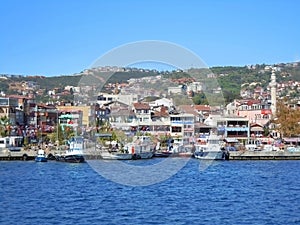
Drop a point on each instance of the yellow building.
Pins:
(87, 113)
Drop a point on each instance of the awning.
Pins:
(256, 129)
(231, 140)
(266, 111)
(291, 139)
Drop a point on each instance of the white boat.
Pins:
(41, 156)
(110, 149)
(140, 148)
(74, 153)
(253, 145)
(12, 143)
(211, 148)
(115, 155)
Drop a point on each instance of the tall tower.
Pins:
(273, 93)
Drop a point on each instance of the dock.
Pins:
(264, 155)
(23, 155)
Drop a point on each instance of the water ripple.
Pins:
(234, 192)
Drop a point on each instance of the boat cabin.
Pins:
(13, 143)
(76, 145)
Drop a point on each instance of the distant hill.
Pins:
(230, 78)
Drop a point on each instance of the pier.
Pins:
(23, 155)
(263, 155)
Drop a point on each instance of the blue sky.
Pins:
(53, 37)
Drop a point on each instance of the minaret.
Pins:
(273, 93)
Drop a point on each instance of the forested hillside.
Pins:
(230, 78)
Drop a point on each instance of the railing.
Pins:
(237, 135)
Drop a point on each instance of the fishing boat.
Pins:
(210, 148)
(109, 150)
(41, 156)
(74, 153)
(162, 154)
(140, 148)
(12, 143)
(115, 155)
(253, 145)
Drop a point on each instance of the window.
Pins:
(101, 98)
(257, 116)
(265, 116)
(176, 129)
(175, 119)
(3, 101)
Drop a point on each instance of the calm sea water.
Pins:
(231, 192)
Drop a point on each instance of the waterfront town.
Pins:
(132, 107)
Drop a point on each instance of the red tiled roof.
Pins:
(161, 114)
(42, 105)
(18, 96)
(202, 107)
(140, 105)
(251, 102)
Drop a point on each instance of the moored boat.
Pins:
(211, 149)
(115, 155)
(140, 148)
(41, 156)
(74, 154)
(109, 150)
(162, 154)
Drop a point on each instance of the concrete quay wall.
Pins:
(263, 155)
(24, 155)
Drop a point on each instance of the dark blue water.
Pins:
(233, 192)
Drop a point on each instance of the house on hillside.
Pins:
(8, 107)
(142, 112)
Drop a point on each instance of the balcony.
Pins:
(237, 128)
(237, 135)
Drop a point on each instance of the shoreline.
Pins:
(261, 155)
(27, 155)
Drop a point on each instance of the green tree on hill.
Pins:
(4, 126)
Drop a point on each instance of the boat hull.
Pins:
(41, 159)
(71, 158)
(211, 155)
(162, 154)
(145, 155)
(115, 156)
(126, 156)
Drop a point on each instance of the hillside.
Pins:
(230, 78)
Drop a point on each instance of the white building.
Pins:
(175, 90)
(105, 98)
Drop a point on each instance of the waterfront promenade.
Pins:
(264, 155)
(6, 155)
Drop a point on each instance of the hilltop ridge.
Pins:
(232, 79)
